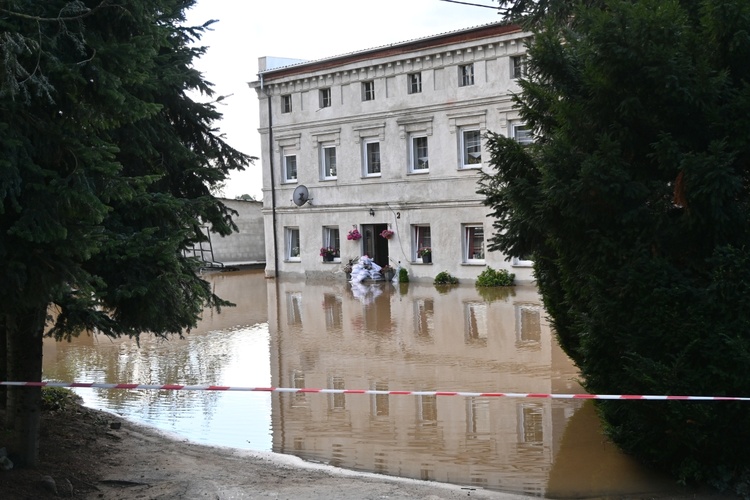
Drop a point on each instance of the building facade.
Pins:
(379, 152)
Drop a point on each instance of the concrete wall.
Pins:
(246, 246)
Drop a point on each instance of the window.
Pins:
(521, 133)
(471, 148)
(414, 81)
(465, 75)
(372, 158)
(518, 66)
(331, 239)
(368, 91)
(325, 98)
(328, 161)
(473, 242)
(292, 243)
(290, 168)
(418, 155)
(286, 103)
(421, 240)
(523, 261)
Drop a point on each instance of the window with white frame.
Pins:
(331, 240)
(325, 97)
(371, 157)
(419, 160)
(518, 66)
(368, 90)
(422, 240)
(522, 261)
(473, 243)
(465, 75)
(471, 147)
(327, 161)
(414, 81)
(292, 243)
(286, 103)
(290, 168)
(521, 133)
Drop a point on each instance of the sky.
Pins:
(302, 29)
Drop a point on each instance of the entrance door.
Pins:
(375, 246)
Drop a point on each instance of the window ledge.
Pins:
(418, 172)
(477, 263)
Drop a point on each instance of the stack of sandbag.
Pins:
(365, 268)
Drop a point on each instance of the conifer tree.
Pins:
(106, 167)
(634, 203)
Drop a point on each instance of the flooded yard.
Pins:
(372, 336)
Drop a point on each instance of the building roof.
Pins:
(431, 41)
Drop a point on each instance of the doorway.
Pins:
(375, 246)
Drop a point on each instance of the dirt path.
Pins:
(147, 464)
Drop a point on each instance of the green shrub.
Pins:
(492, 277)
(403, 275)
(445, 278)
(58, 398)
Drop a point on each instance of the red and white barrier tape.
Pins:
(175, 387)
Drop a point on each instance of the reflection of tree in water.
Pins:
(156, 361)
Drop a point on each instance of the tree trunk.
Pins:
(24, 331)
(3, 362)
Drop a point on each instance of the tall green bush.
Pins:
(634, 201)
(495, 277)
(445, 278)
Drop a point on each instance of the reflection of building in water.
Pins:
(420, 340)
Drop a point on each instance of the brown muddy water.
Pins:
(379, 336)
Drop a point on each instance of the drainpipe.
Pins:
(273, 179)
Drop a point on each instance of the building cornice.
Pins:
(393, 50)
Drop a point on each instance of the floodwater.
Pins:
(377, 336)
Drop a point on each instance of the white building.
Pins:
(388, 138)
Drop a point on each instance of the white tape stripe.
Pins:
(178, 387)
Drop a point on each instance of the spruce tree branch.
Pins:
(102, 4)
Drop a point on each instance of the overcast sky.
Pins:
(303, 29)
